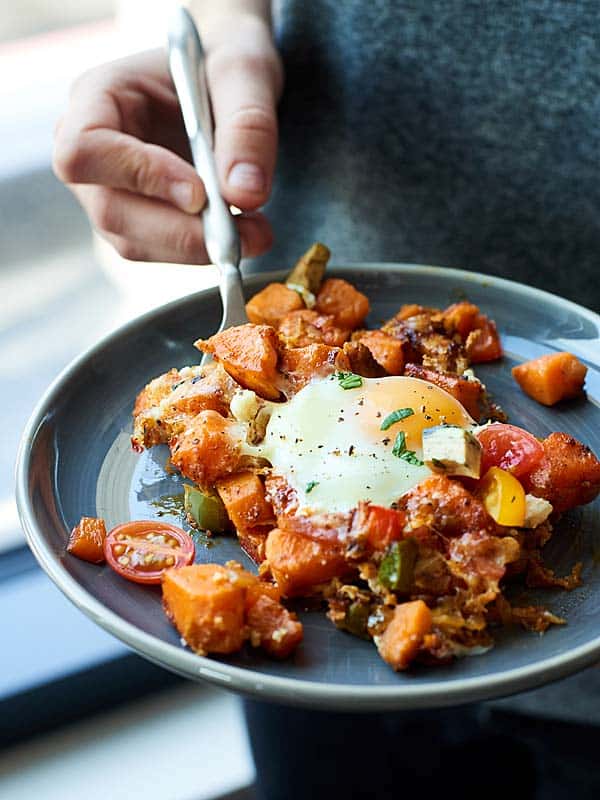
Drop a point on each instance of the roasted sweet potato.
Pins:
(361, 360)
(243, 496)
(273, 627)
(249, 354)
(208, 449)
(298, 563)
(165, 405)
(483, 343)
(304, 327)
(253, 542)
(270, 305)
(403, 637)
(207, 605)
(442, 506)
(347, 305)
(551, 378)
(301, 364)
(87, 540)
(385, 349)
(460, 318)
(569, 474)
(470, 393)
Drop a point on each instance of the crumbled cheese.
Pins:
(537, 510)
(452, 451)
(245, 405)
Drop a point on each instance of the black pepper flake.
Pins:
(378, 414)
(428, 418)
(361, 402)
(197, 378)
(340, 419)
(350, 449)
(385, 441)
(367, 487)
(195, 441)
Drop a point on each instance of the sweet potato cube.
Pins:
(401, 640)
(385, 349)
(347, 305)
(470, 393)
(270, 305)
(87, 540)
(208, 449)
(243, 496)
(249, 354)
(551, 378)
(206, 603)
(273, 627)
(298, 563)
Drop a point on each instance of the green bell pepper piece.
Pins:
(396, 571)
(205, 511)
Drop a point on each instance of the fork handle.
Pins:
(186, 62)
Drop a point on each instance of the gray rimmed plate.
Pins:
(75, 460)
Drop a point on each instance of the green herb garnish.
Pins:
(311, 485)
(399, 445)
(412, 458)
(348, 380)
(396, 416)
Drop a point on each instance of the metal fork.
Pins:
(186, 63)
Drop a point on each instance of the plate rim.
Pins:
(289, 690)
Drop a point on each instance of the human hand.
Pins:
(122, 149)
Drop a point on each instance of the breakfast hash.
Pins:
(366, 468)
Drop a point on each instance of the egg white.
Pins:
(327, 442)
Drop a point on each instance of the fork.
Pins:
(186, 63)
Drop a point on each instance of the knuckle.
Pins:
(255, 118)
(188, 243)
(144, 178)
(67, 158)
(105, 212)
(129, 250)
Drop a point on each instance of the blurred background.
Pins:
(79, 714)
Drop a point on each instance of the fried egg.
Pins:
(338, 446)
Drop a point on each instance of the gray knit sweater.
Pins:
(460, 133)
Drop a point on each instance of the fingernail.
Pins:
(182, 194)
(248, 177)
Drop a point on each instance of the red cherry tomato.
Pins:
(509, 448)
(141, 551)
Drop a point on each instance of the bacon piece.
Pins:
(569, 474)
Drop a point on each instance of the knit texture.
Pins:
(462, 134)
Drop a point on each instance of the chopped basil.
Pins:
(399, 445)
(348, 380)
(311, 485)
(396, 416)
(411, 457)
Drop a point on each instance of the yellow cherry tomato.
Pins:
(503, 496)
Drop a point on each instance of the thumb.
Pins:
(244, 90)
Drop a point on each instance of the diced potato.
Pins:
(452, 451)
(207, 604)
(347, 305)
(551, 378)
(243, 495)
(249, 354)
(273, 627)
(299, 563)
(403, 637)
(87, 540)
(386, 350)
(208, 449)
(270, 305)
(304, 327)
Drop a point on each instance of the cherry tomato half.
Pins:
(141, 551)
(509, 448)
